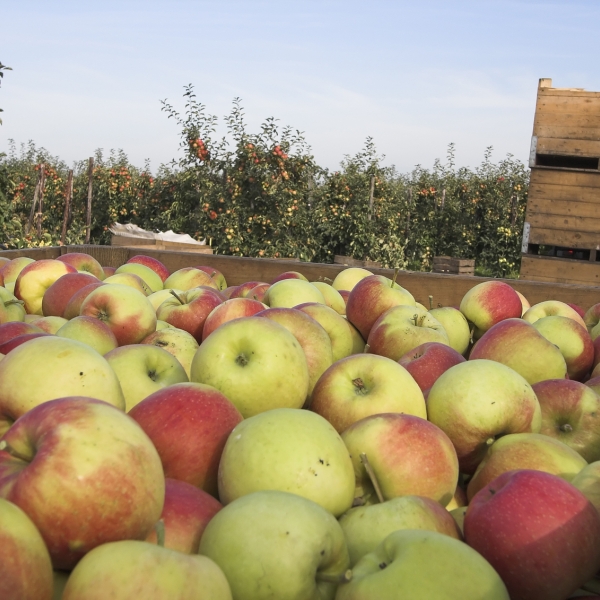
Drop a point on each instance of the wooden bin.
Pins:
(447, 290)
(561, 236)
(153, 244)
(453, 266)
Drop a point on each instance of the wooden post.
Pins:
(88, 217)
(371, 194)
(67, 211)
(39, 186)
(40, 210)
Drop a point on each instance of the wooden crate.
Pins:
(453, 266)
(150, 243)
(348, 261)
(447, 290)
(562, 221)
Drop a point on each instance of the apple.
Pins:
(157, 298)
(12, 329)
(401, 328)
(83, 263)
(338, 328)
(124, 309)
(143, 369)
(181, 344)
(365, 527)
(131, 280)
(363, 385)
(428, 361)
(278, 545)
(571, 414)
(84, 472)
(591, 319)
(189, 309)
(52, 367)
(26, 565)
(421, 564)
(348, 278)
(333, 298)
(399, 449)
(15, 342)
(455, 325)
(594, 383)
(371, 297)
(108, 271)
(186, 513)
(526, 451)
(242, 290)
(49, 324)
(525, 304)
(188, 424)
(538, 531)
(90, 331)
(62, 290)
(587, 481)
(520, 346)
(150, 277)
(289, 275)
(10, 270)
(311, 336)
(11, 308)
(133, 569)
(573, 340)
(156, 265)
(290, 450)
(73, 306)
(35, 279)
(478, 401)
(216, 275)
(258, 292)
(577, 309)
(233, 308)
(257, 363)
(287, 293)
(488, 303)
(188, 278)
(551, 308)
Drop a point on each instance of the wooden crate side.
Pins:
(567, 208)
(566, 193)
(586, 103)
(575, 223)
(37, 253)
(123, 240)
(568, 131)
(567, 147)
(561, 270)
(566, 239)
(546, 176)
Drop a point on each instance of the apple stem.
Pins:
(344, 577)
(490, 441)
(367, 348)
(396, 271)
(416, 320)
(430, 301)
(159, 529)
(174, 293)
(4, 445)
(369, 469)
(566, 428)
(327, 280)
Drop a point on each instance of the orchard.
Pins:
(165, 435)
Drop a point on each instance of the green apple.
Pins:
(181, 344)
(333, 298)
(131, 280)
(150, 277)
(287, 293)
(11, 307)
(257, 363)
(91, 331)
(348, 278)
(365, 527)
(551, 308)
(49, 324)
(52, 367)
(290, 450)
(130, 569)
(476, 402)
(456, 326)
(277, 545)
(588, 482)
(157, 298)
(26, 564)
(423, 565)
(143, 369)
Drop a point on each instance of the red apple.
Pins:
(428, 361)
(156, 265)
(186, 513)
(289, 275)
(188, 424)
(15, 342)
(8, 331)
(228, 310)
(84, 263)
(188, 278)
(216, 275)
(62, 290)
(85, 474)
(90, 331)
(73, 306)
(108, 271)
(10, 270)
(241, 291)
(538, 531)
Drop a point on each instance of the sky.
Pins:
(414, 76)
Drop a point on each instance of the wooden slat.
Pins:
(566, 147)
(578, 223)
(564, 119)
(545, 176)
(561, 270)
(566, 239)
(566, 208)
(550, 92)
(586, 103)
(40, 253)
(564, 193)
(566, 131)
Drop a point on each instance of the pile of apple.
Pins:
(164, 436)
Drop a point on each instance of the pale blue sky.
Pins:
(415, 76)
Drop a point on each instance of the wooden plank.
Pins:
(540, 206)
(564, 193)
(547, 176)
(566, 147)
(567, 131)
(566, 239)
(584, 104)
(560, 270)
(564, 222)
(36, 253)
(124, 240)
(565, 119)
(567, 93)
